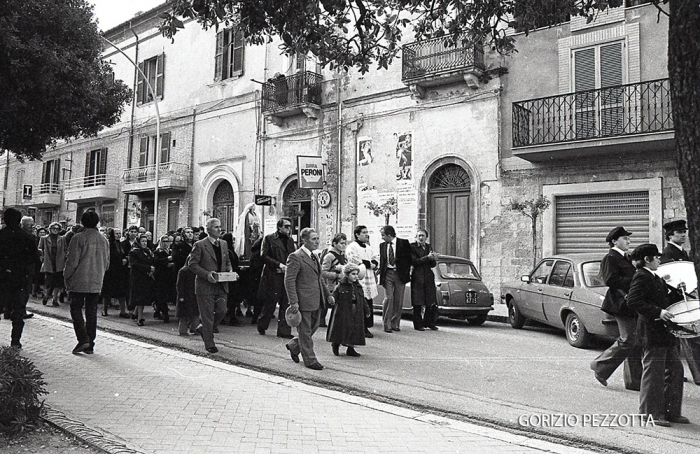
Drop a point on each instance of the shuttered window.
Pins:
(583, 221)
(154, 70)
(228, 61)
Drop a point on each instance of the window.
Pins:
(107, 216)
(562, 275)
(19, 187)
(229, 54)
(599, 108)
(457, 271)
(49, 177)
(147, 157)
(95, 167)
(539, 276)
(154, 70)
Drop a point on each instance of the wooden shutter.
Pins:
(88, 167)
(143, 152)
(219, 56)
(238, 49)
(583, 221)
(611, 99)
(102, 166)
(165, 147)
(56, 170)
(141, 85)
(584, 80)
(160, 75)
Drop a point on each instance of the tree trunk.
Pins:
(684, 78)
(534, 242)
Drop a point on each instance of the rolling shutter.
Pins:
(583, 221)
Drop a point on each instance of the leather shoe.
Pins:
(315, 366)
(336, 349)
(81, 348)
(601, 380)
(198, 330)
(294, 356)
(433, 327)
(678, 419)
(420, 328)
(285, 336)
(352, 352)
(212, 349)
(215, 330)
(662, 422)
(28, 315)
(632, 388)
(388, 331)
(396, 329)
(368, 335)
(261, 331)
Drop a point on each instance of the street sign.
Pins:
(310, 172)
(27, 191)
(263, 200)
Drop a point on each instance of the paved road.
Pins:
(159, 400)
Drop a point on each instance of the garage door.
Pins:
(583, 221)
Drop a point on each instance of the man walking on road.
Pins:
(307, 292)
(86, 264)
(18, 255)
(394, 274)
(209, 256)
(275, 250)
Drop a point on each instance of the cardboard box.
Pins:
(227, 276)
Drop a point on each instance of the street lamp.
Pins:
(157, 144)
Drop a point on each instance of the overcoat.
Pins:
(423, 292)
(113, 284)
(46, 246)
(185, 291)
(164, 276)
(673, 254)
(275, 249)
(141, 281)
(347, 324)
(617, 271)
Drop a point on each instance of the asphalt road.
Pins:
(492, 374)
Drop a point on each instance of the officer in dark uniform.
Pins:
(617, 270)
(18, 255)
(676, 236)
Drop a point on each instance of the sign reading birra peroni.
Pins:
(310, 172)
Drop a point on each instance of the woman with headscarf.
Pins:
(164, 278)
(112, 286)
(53, 249)
(332, 267)
(141, 277)
(347, 322)
(181, 249)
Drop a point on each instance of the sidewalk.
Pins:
(136, 397)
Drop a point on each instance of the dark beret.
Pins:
(675, 226)
(645, 250)
(616, 233)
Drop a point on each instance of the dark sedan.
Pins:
(565, 292)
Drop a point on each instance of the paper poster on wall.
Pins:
(404, 155)
(364, 151)
(365, 195)
(407, 202)
(270, 225)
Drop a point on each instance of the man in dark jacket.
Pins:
(423, 292)
(617, 270)
(661, 393)
(394, 274)
(275, 250)
(18, 255)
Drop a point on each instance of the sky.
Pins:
(111, 13)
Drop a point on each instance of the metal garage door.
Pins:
(583, 221)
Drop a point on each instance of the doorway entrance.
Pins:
(449, 189)
(297, 205)
(224, 208)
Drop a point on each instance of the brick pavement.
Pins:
(158, 400)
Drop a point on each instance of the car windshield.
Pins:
(591, 274)
(457, 270)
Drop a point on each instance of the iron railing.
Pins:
(435, 56)
(146, 174)
(49, 188)
(606, 112)
(91, 180)
(288, 91)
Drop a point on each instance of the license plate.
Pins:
(470, 297)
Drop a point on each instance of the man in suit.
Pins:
(676, 236)
(275, 249)
(617, 270)
(661, 393)
(18, 256)
(394, 274)
(209, 257)
(307, 292)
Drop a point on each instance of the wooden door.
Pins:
(448, 205)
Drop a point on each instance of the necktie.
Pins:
(315, 259)
(391, 254)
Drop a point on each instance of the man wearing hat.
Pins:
(617, 270)
(676, 236)
(661, 394)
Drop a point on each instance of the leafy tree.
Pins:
(53, 81)
(358, 33)
(533, 209)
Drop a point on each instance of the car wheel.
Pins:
(477, 320)
(576, 333)
(515, 318)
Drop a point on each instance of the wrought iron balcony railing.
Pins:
(434, 57)
(290, 91)
(603, 113)
(49, 188)
(147, 174)
(89, 181)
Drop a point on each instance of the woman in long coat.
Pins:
(112, 285)
(235, 295)
(347, 322)
(332, 267)
(423, 292)
(164, 277)
(141, 277)
(186, 309)
(53, 250)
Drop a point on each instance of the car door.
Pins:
(557, 292)
(530, 303)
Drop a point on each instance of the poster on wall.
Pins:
(404, 155)
(364, 151)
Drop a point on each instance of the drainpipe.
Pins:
(339, 224)
(130, 145)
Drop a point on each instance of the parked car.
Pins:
(460, 292)
(565, 292)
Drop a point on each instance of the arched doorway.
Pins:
(296, 204)
(224, 208)
(449, 189)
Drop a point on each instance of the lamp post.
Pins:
(157, 144)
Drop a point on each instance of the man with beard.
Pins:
(275, 250)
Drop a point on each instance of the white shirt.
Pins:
(620, 251)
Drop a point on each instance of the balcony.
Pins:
(46, 195)
(625, 118)
(291, 95)
(172, 176)
(437, 62)
(91, 188)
